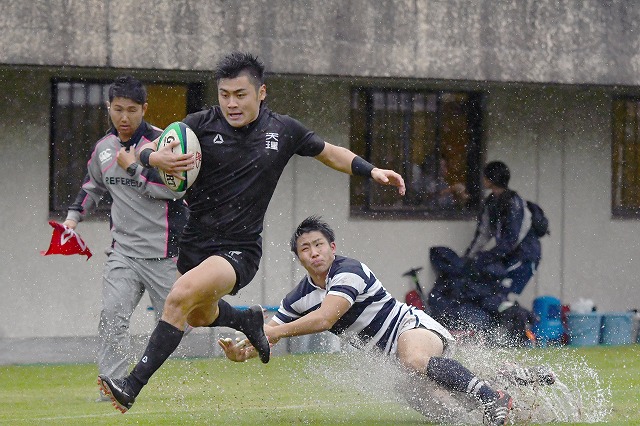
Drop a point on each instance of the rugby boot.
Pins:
(525, 376)
(496, 413)
(119, 391)
(253, 328)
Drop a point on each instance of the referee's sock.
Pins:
(163, 341)
(452, 375)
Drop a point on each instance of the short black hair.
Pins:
(310, 224)
(235, 63)
(498, 174)
(128, 87)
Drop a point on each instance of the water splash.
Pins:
(578, 394)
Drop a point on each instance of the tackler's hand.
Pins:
(272, 334)
(239, 351)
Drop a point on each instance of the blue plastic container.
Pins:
(584, 329)
(549, 326)
(616, 328)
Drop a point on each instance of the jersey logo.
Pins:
(105, 155)
(231, 256)
(218, 138)
(271, 141)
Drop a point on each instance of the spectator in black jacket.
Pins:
(506, 220)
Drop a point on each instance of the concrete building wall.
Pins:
(570, 41)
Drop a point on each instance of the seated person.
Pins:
(472, 291)
(429, 184)
(506, 220)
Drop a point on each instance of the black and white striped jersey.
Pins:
(374, 318)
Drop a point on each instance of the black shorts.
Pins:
(244, 256)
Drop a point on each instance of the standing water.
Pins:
(577, 395)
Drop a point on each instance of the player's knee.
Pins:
(182, 299)
(175, 301)
(415, 362)
(179, 300)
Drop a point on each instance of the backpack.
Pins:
(446, 262)
(539, 222)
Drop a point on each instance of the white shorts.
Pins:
(417, 318)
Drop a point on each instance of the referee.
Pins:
(146, 221)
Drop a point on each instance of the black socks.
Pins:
(163, 341)
(249, 321)
(228, 316)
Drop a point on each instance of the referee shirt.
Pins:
(146, 217)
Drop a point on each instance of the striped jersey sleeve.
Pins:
(374, 316)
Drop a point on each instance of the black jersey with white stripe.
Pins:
(373, 320)
(240, 170)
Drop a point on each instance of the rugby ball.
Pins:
(189, 143)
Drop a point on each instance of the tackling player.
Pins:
(343, 296)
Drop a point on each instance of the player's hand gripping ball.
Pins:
(189, 143)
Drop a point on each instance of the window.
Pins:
(625, 157)
(432, 138)
(79, 118)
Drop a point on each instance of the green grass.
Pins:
(284, 392)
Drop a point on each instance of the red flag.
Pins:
(66, 241)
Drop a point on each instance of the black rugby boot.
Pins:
(118, 391)
(253, 327)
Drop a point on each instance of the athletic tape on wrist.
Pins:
(361, 167)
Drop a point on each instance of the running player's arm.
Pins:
(148, 181)
(164, 158)
(341, 159)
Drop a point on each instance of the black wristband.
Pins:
(361, 167)
(144, 157)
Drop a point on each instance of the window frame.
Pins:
(618, 136)
(474, 157)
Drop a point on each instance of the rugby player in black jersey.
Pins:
(245, 147)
